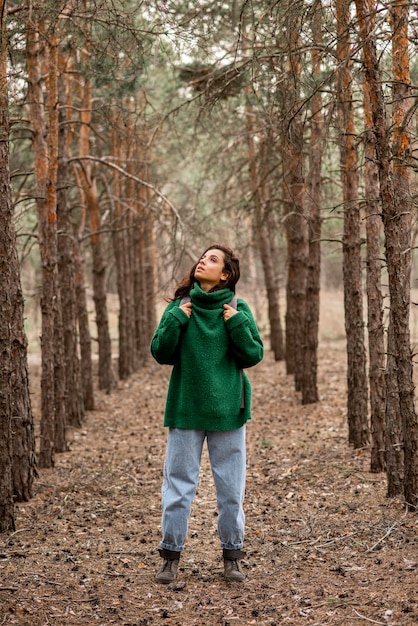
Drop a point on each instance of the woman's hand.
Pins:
(187, 308)
(229, 311)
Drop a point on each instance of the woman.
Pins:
(209, 337)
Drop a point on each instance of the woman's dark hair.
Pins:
(231, 266)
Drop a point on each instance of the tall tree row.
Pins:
(296, 130)
(392, 153)
(275, 131)
(72, 191)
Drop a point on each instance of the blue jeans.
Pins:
(181, 474)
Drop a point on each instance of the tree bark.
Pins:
(396, 220)
(60, 442)
(394, 444)
(295, 219)
(87, 183)
(398, 228)
(143, 261)
(143, 253)
(7, 243)
(257, 150)
(314, 186)
(73, 394)
(358, 432)
(47, 235)
(376, 333)
(122, 247)
(86, 361)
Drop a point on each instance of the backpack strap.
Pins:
(233, 302)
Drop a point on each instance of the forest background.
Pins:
(135, 133)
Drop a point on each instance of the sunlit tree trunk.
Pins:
(314, 186)
(44, 141)
(396, 211)
(398, 229)
(374, 293)
(357, 409)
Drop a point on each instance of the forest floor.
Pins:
(324, 545)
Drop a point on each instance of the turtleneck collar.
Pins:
(212, 300)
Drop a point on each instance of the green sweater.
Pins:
(208, 355)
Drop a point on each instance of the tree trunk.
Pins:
(397, 222)
(150, 264)
(314, 185)
(398, 229)
(296, 237)
(295, 219)
(268, 253)
(257, 162)
(358, 432)
(394, 443)
(144, 262)
(122, 251)
(7, 253)
(47, 235)
(60, 442)
(23, 436)
(87, 182)
(73, 394)
(374, 294)
(68, 93)
(23, 469)
(143, 247)
(86, 361)
(268, 249)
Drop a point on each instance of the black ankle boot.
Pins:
(168, 571)
(232, 567)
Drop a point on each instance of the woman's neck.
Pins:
(207, 286)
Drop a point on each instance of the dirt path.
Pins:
(324, 545)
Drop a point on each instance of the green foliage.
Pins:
(184, 74)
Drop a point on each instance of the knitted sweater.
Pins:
(208, 354)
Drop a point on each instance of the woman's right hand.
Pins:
(187, 308)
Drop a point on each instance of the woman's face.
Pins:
(210, 269)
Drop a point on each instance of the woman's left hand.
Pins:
(229, 311)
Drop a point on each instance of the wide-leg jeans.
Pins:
(227, 454)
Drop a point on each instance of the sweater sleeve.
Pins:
(246, 343)
(166, 339)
